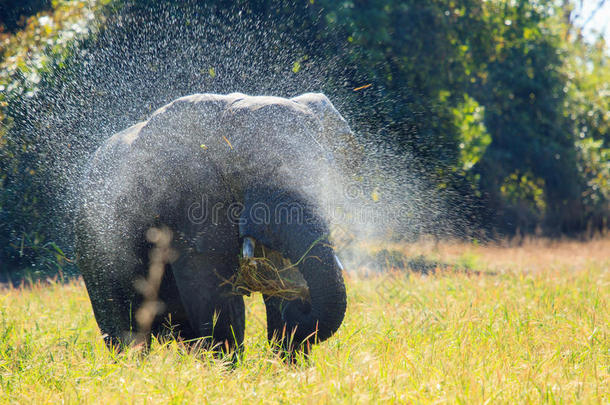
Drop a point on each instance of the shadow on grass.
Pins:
(395, 261)
(30, 277)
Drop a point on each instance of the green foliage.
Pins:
(27, 57)
(499, 102)
(588, 107)
(472, 132)
(524, 192)
(594, 164)
(393, 47)
(522, 90)
(486, 95)
(14, 12)
(46, 35)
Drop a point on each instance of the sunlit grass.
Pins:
(524, 334)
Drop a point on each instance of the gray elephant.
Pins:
(226, 174)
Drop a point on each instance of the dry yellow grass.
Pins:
(537, 330)
(531, 254)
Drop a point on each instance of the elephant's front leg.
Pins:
(279, 335)
(215, 313)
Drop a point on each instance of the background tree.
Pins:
(500, 105)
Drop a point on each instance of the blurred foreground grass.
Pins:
(531, 326)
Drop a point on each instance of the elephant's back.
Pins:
(208, 144)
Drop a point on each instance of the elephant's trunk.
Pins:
(302, 237)
(322, 317)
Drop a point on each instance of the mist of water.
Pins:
(136, 62)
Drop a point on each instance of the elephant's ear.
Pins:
(336, 135)
(286, 222)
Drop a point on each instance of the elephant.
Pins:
(225, 175)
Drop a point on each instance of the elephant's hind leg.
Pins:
(172, 322)
(114, 301)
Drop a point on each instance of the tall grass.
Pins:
(524, 333)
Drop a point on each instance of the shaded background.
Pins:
(502, 107)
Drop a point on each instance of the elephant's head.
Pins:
(286, 222)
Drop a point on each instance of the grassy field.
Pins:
(531, 326)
